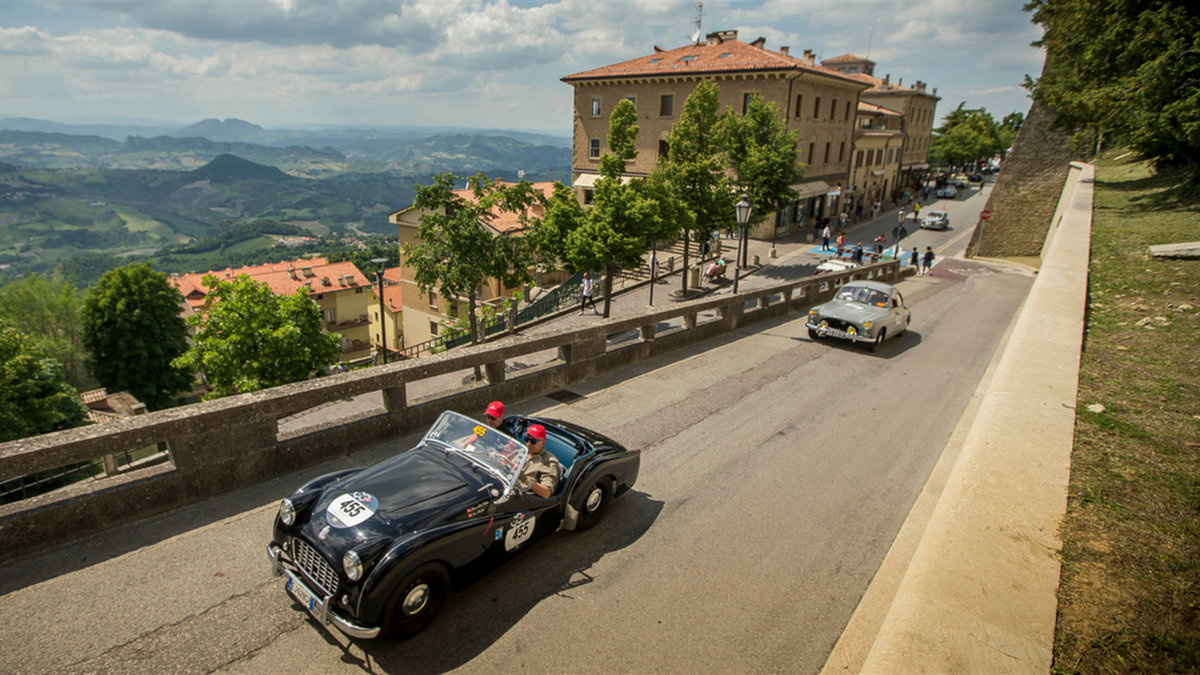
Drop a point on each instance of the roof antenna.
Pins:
(699, 13)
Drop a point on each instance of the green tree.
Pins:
(968, 136)
(35, 397)
(50, 310)
(1128, 70)
(761, 152)
(625, 218)
(132, 328)
(248, 338)
(548, 234)
(694, 170)
(456, 251)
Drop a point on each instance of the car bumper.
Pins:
(319, 607)
(829, 331)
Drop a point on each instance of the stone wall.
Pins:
(221, 445)
(1027, 192)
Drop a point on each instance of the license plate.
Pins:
(301, 593)
(833, 332)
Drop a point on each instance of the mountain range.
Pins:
(65, 192)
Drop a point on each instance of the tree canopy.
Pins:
(248, 338)
(49, 309)
(455, 251)
(626, 217)
(35, 397)
(133, 330)
(1128, 70)
(761, 151)
(968, 136)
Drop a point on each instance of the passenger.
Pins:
(494, 415)
(542, 470)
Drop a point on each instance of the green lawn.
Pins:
(1129, 600)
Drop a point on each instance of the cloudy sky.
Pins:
(483, 63)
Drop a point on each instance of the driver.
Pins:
(541, 471)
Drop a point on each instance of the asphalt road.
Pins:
(776, 472)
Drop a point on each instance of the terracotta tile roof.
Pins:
(872, 109)
(845, 58)
(393, 296)
(724, 56)
(507, 221)
(284, 277)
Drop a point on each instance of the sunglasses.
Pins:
(531, 439)
(489, 417)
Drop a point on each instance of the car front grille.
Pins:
(838, 324)
(314, 565)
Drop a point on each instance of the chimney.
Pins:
(717, 37)
(784, 50)
(658, 49)
(809, 57)
(935, 91)
(886, 82)
(759, 42)
(900, 82)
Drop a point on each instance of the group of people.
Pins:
(541, 473)
(924, 263)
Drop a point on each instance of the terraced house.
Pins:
(819, 102)
(342, 292)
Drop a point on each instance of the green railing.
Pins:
(565, 294)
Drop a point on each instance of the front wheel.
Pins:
(416, 601)
(813, 334)
(878, 342)
(595, 503)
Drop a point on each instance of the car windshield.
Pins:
(867, 296)
(495, 451)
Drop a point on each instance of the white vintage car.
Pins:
(861, 311)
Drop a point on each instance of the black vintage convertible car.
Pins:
(378, 549)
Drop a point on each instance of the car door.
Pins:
(899, 313)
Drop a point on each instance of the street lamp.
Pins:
(382, 319)
(742, 208)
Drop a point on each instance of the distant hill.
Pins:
(232, 130)
(229, 169)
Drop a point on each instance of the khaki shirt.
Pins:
(541, 468)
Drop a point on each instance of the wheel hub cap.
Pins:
(594, 498)
(417, 598)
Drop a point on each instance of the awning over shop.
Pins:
(922, 165)
(588, 180)
(814, 188)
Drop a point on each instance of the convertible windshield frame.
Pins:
(492, 450)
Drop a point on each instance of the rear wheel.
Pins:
(416, 602)
(595, 503)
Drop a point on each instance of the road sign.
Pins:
(985, 214)
(899, 232)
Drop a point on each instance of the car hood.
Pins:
(402, 494)
(855, 312)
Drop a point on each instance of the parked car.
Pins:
(976, 178)
(861, 311)
(960, 181)
(935, 219)
(947, 192)
(377, 550)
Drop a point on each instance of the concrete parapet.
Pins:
(979, 593)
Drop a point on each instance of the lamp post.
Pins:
(742, 208)
(382, 318)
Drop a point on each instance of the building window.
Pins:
(746, 102)
(858, 158)
(847, 111)
(594, 148)
(666, 105)
(870, 158)
(842, 151)
(817, 108)
(589, 196)
(891, 155)
(358, 290)
(664, 151)
(596, 106)
(433, 328)
(812, 149)
(833, 109)
(827, 146)
(632, 99)
(799, 102)
(330, 315)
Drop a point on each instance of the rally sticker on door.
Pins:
(349, 510)
(519, 530)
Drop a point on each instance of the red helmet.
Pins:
(495, 409)
(537, 431)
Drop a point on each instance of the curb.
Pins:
(979, 591)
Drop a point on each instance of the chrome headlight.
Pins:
(287, 511)
(352, 565)
(868, 324)
(812, 312)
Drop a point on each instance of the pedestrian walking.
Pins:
(916, 211)
(875, 209)
(857, 258)
(842, 218)
(927, 261)
(841, 242)
(587, 289)
(916, 259)
(858, 210)
(825, 234)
